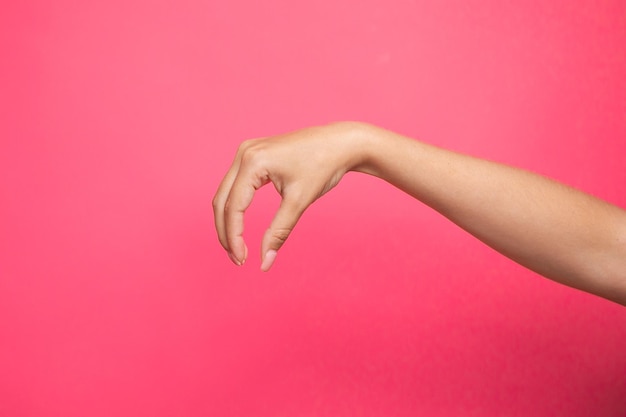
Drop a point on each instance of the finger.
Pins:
(221, 195)
(241, 194)
(219, 200)
(284, 221)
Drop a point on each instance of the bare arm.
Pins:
(557, 231)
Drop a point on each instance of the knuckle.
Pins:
(296, 201)
(215, 203)
(254, 157)
(248, 146)
(243, 146)
(228, 206)
(280, 235)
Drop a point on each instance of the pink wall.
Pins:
(117, 120)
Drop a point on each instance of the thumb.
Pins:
(284, 221)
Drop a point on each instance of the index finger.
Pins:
(223, 190)
(219, 200)
(239, 199)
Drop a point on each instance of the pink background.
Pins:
(118, 119)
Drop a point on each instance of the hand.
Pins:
(302, 165)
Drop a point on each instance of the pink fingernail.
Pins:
(235, 260)
(270, 255)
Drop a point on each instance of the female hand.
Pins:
(554, 230)
(302, 165)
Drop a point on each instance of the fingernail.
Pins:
(235, 260)
(245, 255)
(270, 255)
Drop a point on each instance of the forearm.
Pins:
(557, 231)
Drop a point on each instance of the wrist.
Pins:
(364, 146)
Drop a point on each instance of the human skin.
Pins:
(557, 231)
